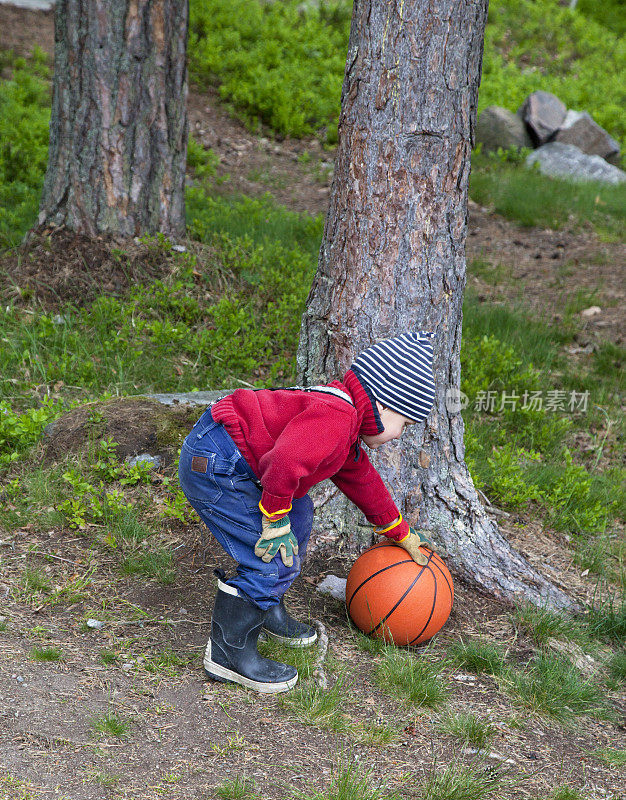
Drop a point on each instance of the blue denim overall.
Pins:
(225, 492)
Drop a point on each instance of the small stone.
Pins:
(95, 623)
(183, 611)
(179, 248)
(591, 311)
(333, 586)
(146, 458)
(128, 665)
(19, 679)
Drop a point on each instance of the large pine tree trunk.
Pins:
(393, 259)
(118, 130)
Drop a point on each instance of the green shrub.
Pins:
(24, 123)
(539, 44)
(274, 62)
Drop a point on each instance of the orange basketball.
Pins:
(391, 597)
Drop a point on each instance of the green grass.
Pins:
(567, 793)
(349, 781)
(165, 662)
(512, 191)
(46, 654)
(376, 733)
(317, 706)
(477, 656)
(542, 624)
(468, 728)
(411, 677)
(156, 564)
(613, 757)
(34, 581)
(461, 782)
(283, 65)
(550, 685)
(617, 667)
(237, 788)
(111, 724)
(606, 618)
(108, 657)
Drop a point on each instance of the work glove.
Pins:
(277, 536)
(411, 544)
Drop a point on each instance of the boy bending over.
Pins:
(246, 468)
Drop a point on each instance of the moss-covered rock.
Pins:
(137, 424)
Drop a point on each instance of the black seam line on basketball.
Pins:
(430, 616)
(450, 589)
(382, 622)
(384, 569)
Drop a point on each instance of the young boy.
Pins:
(246, 468)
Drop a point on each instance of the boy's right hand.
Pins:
(277, 536)
(411, 544)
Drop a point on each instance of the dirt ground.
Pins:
(187, 736)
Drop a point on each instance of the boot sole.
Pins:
(220, 673)
(291, 642)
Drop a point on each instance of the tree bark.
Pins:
(393, 259)
(118, 130)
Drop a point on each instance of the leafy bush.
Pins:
(24, 122)
(539, 44)
(276, 63)
(283, 64)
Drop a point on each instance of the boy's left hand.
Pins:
(277, 537)
(411, 544)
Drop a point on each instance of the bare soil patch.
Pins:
(186, 736)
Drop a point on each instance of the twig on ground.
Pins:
(318, 672)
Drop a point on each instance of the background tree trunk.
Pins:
(393, 259)
(118, 130)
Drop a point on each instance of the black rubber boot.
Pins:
(231, 653)
(280, 625)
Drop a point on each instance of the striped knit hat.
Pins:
(399, 373)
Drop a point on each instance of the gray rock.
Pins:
(144, 457)
(189, 398)
(543, 114)
(333, 586)
(582, 131)
(95, 623)
(33, 5)
(499, 127)
(560, 160)
(49, 429)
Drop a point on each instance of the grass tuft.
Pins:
(111, 724)
(350, 782)
(108, 657)
(613, 757)
(542, 624)
(412, 677)
(157, 564)
(461, 782)
(468, 728)
(316, 706)
(237, 788)
(46, 654)
(617, 667)
(567, 793)
(552, 686)
(477, 656)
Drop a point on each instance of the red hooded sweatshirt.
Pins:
(293, 439)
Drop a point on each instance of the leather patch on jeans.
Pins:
(199, 463)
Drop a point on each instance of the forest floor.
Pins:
(178, 736)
